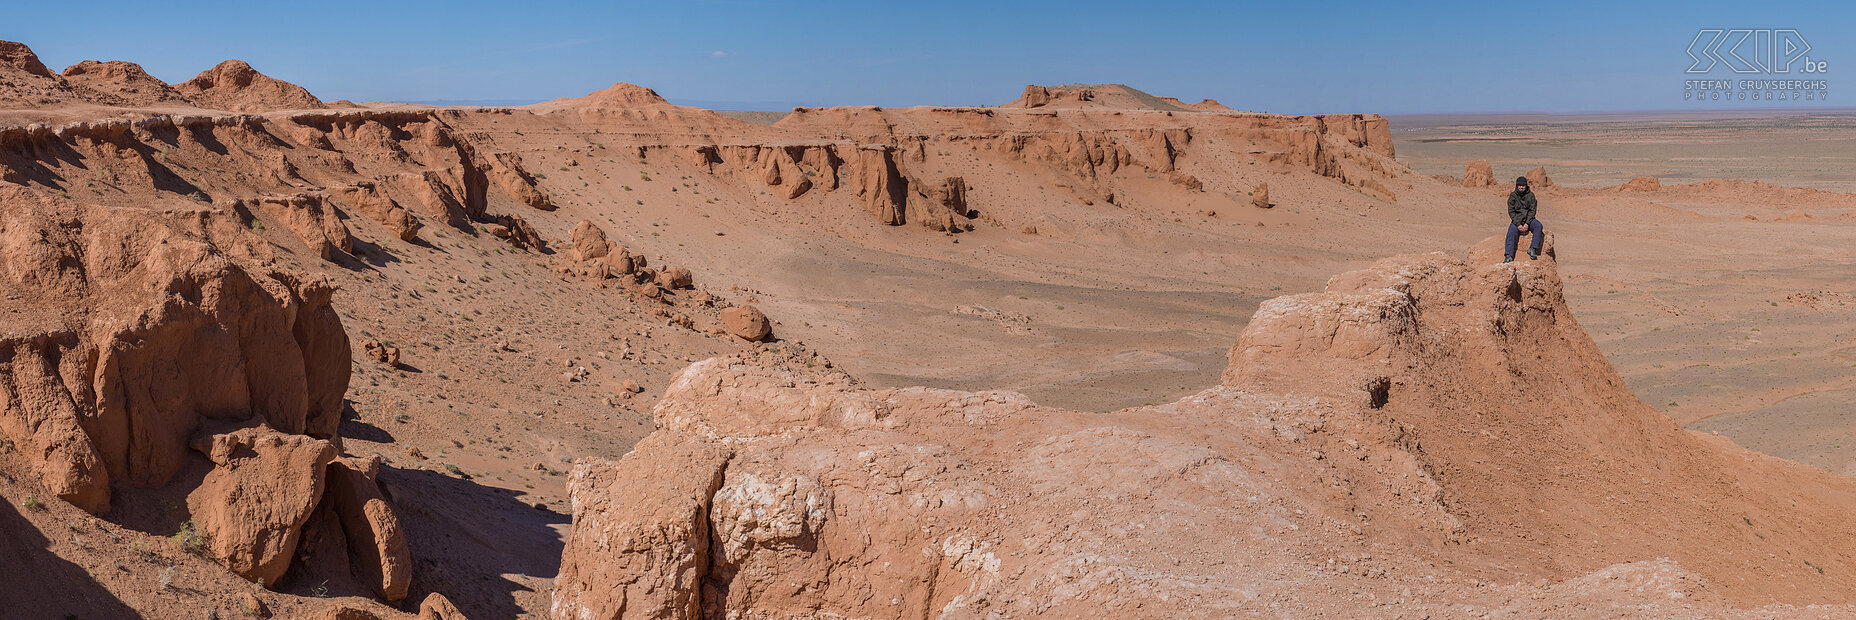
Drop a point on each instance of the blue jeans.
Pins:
(1533, 246)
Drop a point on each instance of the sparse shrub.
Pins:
(189, 538)
(32, 503)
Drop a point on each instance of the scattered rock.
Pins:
(381, 353)
(675, 278)
(1185, 180)
(1260, 197)
(747, 323)
(250, 605)
(594, 256)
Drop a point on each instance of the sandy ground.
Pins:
(1795, 148)
(1728, 325)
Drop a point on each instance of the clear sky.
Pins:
(1290, 57)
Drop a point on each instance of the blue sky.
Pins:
(1290, 57)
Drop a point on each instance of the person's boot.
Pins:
(1531, 255)
(1507, 259)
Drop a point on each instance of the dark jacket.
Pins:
(1521, 208)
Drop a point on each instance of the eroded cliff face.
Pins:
(300, 172)
(1431, 420)
(145, 327)
(141, 341)
(900, 162)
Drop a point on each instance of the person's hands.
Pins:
(1520, 228)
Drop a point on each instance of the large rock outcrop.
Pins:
(131, 332)
(645, 539)
(1430, 420)
(139, 344)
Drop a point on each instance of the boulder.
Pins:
(1260, 197)
(746, 323)
(376, 542)
(1185, 180)
(515, 230)
(621, 262)
(437, 607)
(675, 278)
(250, 605)
(799, 188)
(252, 505)
(589, 241)
(640, 545)
(381, 353)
